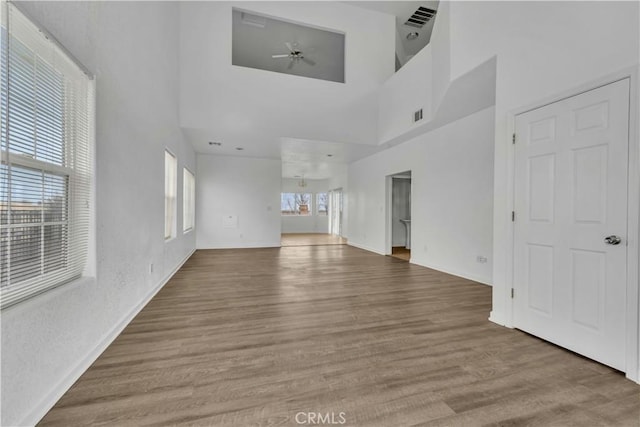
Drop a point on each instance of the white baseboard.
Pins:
(65, 384)
(464, 275)
(498, 319)
(366, 248)
(236, 245)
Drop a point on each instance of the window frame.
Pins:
(188, 200)
(170, 196)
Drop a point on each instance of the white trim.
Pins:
(388, 215)
(174, 231)
(364, 247)
(236, 245)
(632, 369)
(41, 409)
(472, 277)
(633, 233)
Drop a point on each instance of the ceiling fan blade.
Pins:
(280, 56)
(308, 61)
(289, 46)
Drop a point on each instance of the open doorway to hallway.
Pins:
(399, 215)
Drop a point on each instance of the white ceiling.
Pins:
(281, 116)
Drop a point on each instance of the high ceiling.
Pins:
(314, 126)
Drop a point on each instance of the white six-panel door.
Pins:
(571, 160)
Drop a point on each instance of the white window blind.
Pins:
(46, 172)
(188, 200)
(170, 189)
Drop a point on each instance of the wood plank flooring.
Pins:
(401, 252)
(331, 329)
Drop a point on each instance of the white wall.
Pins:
(560, 49)
(421, 83)
(408, 90)
(452, 196)
(245, 188)
(425, 83)
(309, 223)
(49, 340)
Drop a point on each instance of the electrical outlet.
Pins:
(481, 259)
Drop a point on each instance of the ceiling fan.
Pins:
(295, 55)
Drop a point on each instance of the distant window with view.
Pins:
(295, 204)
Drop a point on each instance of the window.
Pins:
(322, 202)
(295, 204)
(170, 188)
(46, 147)
(188, 200)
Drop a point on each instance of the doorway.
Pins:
(399, 215)
(570, 222)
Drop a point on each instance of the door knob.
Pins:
(612, 240)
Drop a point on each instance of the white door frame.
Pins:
(633, 215)
(388, 215)
(388, 211)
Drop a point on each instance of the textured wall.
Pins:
(133, 50)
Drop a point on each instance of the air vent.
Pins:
(417, 116)
(253, 20)
(420, 17)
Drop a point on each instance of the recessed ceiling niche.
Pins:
(271, 44)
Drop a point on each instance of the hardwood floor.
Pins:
(310, 239)
(401, 252)
(330, 330)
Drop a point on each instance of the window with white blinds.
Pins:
(188, 200)
(170, 190)
(46, 146)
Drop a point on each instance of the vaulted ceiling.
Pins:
(313, 125)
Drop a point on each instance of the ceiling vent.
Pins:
(420, 17)
(253, 20)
